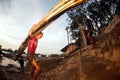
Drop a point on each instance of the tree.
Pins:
(100, 12)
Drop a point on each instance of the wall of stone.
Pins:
(108, 44)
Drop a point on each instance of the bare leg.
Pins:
(37, 69)
(32, 71)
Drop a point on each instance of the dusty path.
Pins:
(95, 69)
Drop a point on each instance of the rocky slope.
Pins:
(101, 63)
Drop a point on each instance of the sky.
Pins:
(18, 16)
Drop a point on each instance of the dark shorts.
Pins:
(30, 56)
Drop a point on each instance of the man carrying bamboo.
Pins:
(32, 45)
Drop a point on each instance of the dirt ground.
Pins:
(91, 69)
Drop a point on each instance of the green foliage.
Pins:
(100, 12)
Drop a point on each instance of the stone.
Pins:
(115, 55)
(12, 70)
(92, 53)
(106, 55)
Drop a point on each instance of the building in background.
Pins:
(70, 48)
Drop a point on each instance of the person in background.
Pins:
(1, 51)
(90, 28)
(21, 62)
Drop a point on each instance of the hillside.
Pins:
(101, 63)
